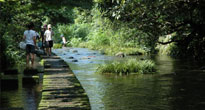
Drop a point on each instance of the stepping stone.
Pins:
(74, 51)
(55, 57)
(74, 60)
(47, 65)
(71, 57)
(65, 66)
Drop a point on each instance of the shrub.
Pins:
(75, 42)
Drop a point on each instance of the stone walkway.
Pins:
(61, 89)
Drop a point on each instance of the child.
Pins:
(63, 39)
(49, 42)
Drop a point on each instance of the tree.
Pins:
(161, 17)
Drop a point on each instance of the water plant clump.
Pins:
(127, 67)
(57, 46)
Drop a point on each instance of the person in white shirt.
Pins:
(30, 39)
(49, 42)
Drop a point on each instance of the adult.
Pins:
(30, 39)
(49, 41)
(43, 29)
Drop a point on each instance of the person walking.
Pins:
(49, 42)
(30, 39)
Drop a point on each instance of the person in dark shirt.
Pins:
(43, 29)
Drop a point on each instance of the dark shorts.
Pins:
(49, 44)
(30, 49)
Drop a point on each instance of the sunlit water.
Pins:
(178, 84)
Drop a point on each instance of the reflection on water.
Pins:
(17, 95)
(178, 85)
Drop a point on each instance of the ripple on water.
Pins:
(165, 91)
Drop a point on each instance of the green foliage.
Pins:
(127, 67)
(71, 31)
(12, 55)
(101, 33)
(75, 42)
(57, 46)
(131, 26)
(16, 14)
(161, 17)
(56, 12)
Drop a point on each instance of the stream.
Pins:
(178, 84)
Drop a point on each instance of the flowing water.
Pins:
(178, 84)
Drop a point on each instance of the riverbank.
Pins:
(61, 89)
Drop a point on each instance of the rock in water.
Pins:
(74, 60)
(70, 57)
(120, 54)
(74, 51)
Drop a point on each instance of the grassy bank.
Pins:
(132, 66)
(100, 33)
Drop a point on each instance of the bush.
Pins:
(75, 42)
(13, 54)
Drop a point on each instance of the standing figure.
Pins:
(49, 42)
(43, 29)
(30, 39)
(63, 40)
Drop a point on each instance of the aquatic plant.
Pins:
(57, 46)
(131, 66)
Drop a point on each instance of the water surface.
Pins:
(19, 95)
(178, 85)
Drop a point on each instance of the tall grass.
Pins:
(127, 67)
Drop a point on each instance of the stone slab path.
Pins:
(61, 89)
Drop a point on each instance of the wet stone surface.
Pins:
(61, 89)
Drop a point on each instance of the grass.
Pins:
(127, 67)
(113, 50)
